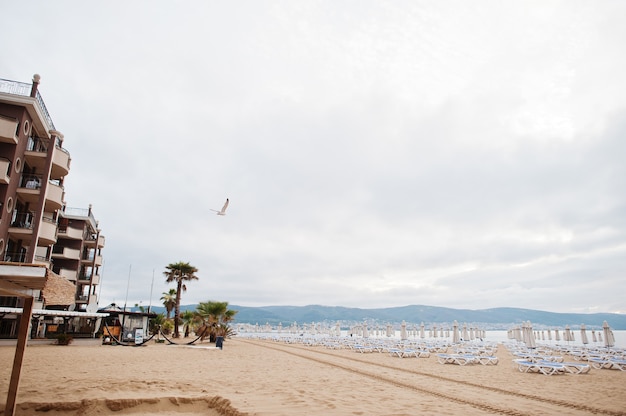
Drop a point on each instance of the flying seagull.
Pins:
(223, 211)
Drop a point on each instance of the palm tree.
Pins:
(179, 272)
(215, 316)
(188, 318)
(169, 301)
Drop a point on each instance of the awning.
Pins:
(17, 279)
(52, 312)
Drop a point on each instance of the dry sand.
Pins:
(273, 378)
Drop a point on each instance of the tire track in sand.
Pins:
(438, 385)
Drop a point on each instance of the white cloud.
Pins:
(375, 153)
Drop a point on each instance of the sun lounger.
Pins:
(423, 353)
(363, 349)
(459, 359)
(619, 364)
(487, 360)
(553, 358)
(544, 367)
(395, 352)
(576, 368)
(608, 363)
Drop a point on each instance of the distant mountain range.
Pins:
(495, 318)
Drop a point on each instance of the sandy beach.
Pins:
(265, 377)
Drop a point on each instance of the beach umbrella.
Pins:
(609, 338)
(422, 334)
(528, 335)
(549, 335)
(543, 335)
(516, 334)
(583, 334)
(593, 335)
(465, 334)
(455, 332)
(567, 334)
(389, 330)
(557, 337)
(434, 329)
(403, 335)
(441, 331)
(366, 333)
(599, 336)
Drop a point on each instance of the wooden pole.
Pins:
(22, 336)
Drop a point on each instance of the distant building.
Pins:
(36, 227)
(77, 255)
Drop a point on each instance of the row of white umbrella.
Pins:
(457, 332)
(525, 334)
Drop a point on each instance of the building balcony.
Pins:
(60, 163)
(8, 130)
(91, 259)
(86, 279)
(5, 170)
(29, 188)
(93, 242)
(70, 233)
(47, 232)
(36, 159)
(22, 228)
(66, 253)
(42, 261)
(54, 197)
(69, 274)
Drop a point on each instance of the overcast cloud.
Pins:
(376, 154)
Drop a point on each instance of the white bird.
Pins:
(223, 211)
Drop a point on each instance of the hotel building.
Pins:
(36, 227)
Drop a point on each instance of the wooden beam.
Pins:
(8, 288)
(22, 336)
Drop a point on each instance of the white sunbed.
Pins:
(459, 359)
(363, 348)
(608, 363)
(544, 367)
(487, 360)
(576, 367)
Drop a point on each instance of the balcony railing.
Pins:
(30, 181)
(23, 89)
(80, 212)
(23, 219)
(37, 144)
(15, 256)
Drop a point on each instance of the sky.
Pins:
(375, 153)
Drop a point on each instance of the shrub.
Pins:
(64, 339)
